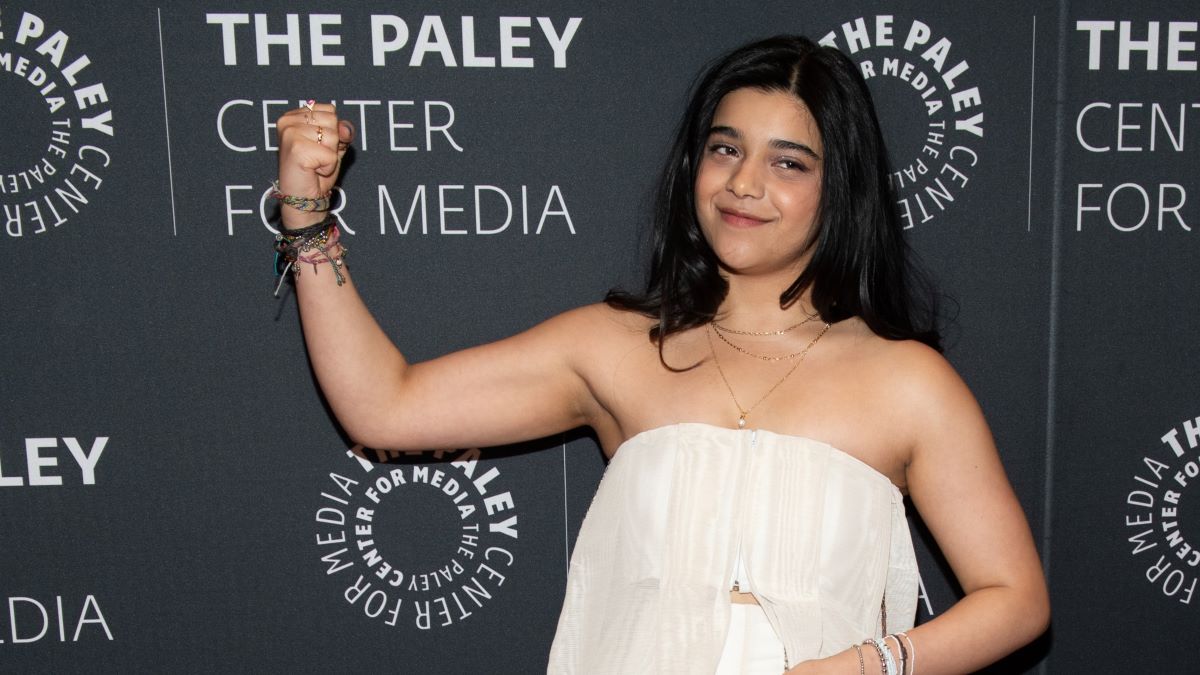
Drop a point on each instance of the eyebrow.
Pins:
(776, 143)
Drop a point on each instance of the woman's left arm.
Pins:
(960, 489)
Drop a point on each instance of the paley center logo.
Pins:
(1163, 534)
(416, 544)
(39, 616)
(931, 110)
(53, 153)
(505, 204)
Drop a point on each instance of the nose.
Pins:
(745, 181)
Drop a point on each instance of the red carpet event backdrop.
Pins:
(175, 495)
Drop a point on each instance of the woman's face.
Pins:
(758, 186)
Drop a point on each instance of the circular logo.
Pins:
(1157, 517)
(53, 162)
(413, 543)
(930, 110)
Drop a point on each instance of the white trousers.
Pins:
(751, 646)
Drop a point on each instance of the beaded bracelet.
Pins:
(324, 240)
(886, 660)
(290, 245)
(321, 203)
(879, 652)
(862, 665)
(337, 263)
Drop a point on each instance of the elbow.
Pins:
(1020, 613)
(370, 436)
(1041, 616)
(1035, 613)
(363, 429)
(380, 430)
(369, 423)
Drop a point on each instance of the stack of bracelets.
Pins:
(314, 245)
(903, 661)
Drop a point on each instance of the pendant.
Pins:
(742, 421)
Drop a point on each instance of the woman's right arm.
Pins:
(527, 386)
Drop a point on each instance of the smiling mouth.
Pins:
(739, 219)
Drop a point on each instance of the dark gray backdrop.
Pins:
(143, 338)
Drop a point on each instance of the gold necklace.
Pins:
(764, 357)
(732, 331)
(744, 412)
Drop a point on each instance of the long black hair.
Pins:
(860, 262)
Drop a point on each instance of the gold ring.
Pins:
(310, 103)
(320, 134)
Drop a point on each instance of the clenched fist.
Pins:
(312, 143)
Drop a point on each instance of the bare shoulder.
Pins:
(911, 372)
(921, 392)
(596, 336)
(600, 323)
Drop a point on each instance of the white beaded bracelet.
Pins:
(886, 657)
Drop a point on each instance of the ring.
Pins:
(310, 103)
(320, 134)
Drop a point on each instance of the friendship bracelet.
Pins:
(324, 240)
(338, 263)
(334, 239)
(321, 203)
(289, 249)
(291, 245)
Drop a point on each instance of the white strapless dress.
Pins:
(823, 537)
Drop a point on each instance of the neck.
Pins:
(752, 303)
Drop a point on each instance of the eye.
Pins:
(789, 164)
(722, 150)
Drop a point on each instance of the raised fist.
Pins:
(312, 142)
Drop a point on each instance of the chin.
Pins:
(757, 265)
(742, 265)
(735, 260)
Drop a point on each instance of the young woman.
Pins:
(765, 403)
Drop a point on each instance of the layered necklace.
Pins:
(782, 331)
(720, 330)
(714, 328)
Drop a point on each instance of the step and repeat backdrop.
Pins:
(174, 494)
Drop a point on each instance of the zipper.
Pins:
(737, 577)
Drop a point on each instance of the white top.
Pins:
(823, 536)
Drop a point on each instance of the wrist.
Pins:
(290, 219)
(843, 663)
(313, 246)
(301, 210)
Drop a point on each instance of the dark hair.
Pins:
(860, 261)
